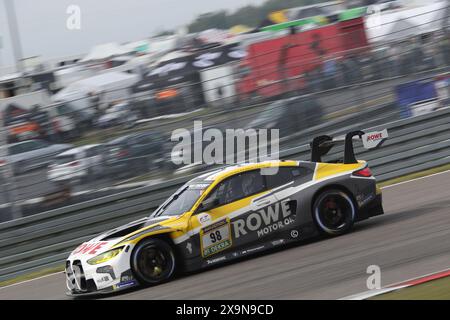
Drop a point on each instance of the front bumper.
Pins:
(85, 279)
(105, 291)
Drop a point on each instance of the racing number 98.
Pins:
(215, 236)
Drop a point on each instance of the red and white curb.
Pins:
(400, 285)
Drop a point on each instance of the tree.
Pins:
(248, 15)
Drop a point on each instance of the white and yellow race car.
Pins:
(231, 213)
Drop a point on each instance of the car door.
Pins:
(138, 145)
(96, 159)
(147, 143)
(281, 185)
(37, 154)
(286, 186)
(233, 221)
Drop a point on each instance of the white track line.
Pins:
(392, 287)
(412, 180)
(22, 282)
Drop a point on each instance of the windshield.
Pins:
(117, 108)
(181, 201)
(64, 159)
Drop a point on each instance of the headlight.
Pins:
(108, 255)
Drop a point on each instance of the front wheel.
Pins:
(334, 212)
(153, 262)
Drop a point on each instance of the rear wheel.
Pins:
(153, 261)
(334, 212)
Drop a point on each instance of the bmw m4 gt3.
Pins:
(230, 213)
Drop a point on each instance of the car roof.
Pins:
(240, 168)
(21, 142)
(133, 135)
(78, 150)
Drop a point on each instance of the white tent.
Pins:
(105, 51)
(398, 24)
(99, 83)
(112, 86)
(163, 43)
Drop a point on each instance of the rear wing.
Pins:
(321, 145)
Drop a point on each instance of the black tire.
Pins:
(334, 212)
(160, 268)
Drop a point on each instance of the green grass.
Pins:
(32, 275)
(434, 290)
(415, 175)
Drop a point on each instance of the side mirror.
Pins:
(208, 204)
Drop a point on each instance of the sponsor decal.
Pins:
(294, 233)
(364, 195)
(204, 218)
(103, 279)
(89, 248)
(253, 250)
(189, 247)
(125, 284)
(374, 139)
(215, 238)
(264, 221)
(277, 242)
(216, 260)
(362, 199)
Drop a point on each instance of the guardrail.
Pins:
(44, 240)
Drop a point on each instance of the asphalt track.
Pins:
(410, 240)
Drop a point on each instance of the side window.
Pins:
(143, 140)
(96, 151)
(219, 193)
(90, 152)
(15, 149)
(252, 182)
(28, 146)
(147, 139)
(283, 176)
(38, 144)
(238, 187)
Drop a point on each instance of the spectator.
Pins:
(417, 55)
(329, 71)
(394, 60)
(444, 46)
(94, 101)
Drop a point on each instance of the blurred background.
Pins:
(99, 122)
